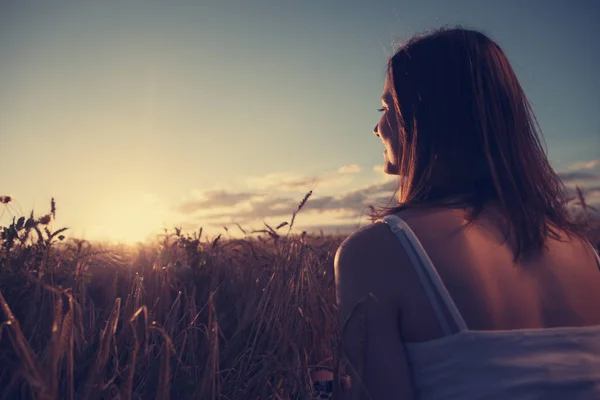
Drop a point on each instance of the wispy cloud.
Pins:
(579, 165)
(382, 175)
(586, 176)
(283, 181)
(581, 173)
(378, 168)
(342, 210)
(591, 197)
(342, 229)
(274, 197)
(350, 169)
(214, 198)
(299, 183)
(578, 176)
(255, 208)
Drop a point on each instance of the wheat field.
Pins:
(186, 317)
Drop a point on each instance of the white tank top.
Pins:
(549, 363)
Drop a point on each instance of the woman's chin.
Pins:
(390, 169)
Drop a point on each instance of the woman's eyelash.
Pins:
(381, 109)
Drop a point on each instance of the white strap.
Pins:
(595, 253)
(409, 239)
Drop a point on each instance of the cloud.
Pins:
(342, 210)
(223, 206)
(283, 181)
(337, 205)
(591, 197)
(351, 203)
(583, 175)
(382, 175)
(293, 182)
(256, 209)
(350, 169)
(270, 207)
(380, 187)
(577, 176)
(213, 199)
(593, 191)
(580, 173)
(342, 229)
(579, 165)
(378, 168)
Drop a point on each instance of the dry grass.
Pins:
(185, 318)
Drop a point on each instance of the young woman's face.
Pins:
(387, 131)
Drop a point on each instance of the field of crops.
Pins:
(185, 317)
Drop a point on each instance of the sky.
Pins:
(142, 115)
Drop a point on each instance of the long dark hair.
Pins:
(468, 137)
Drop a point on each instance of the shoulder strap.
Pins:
(595, 253)
(427, 273)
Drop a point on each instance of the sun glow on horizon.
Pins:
(128, 220)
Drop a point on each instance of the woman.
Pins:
(477, 286)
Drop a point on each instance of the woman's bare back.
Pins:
(560, 287)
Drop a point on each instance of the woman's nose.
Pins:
(375, 130)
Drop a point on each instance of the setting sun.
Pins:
(129, 219)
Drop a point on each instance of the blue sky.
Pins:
(136, 115)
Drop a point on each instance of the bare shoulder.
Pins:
(363, 262)
(375, 244)
(367, 243)
(368, 234)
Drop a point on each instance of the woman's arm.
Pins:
(369, 315)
